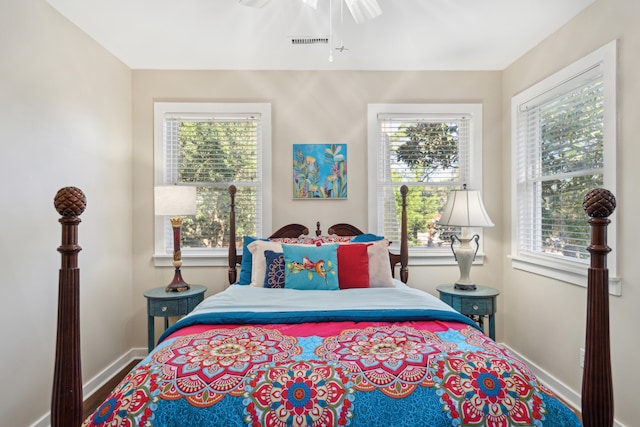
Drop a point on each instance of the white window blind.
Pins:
(213, 150)
(564, 137)
(211, 146)
(427, 147)
(560, 157)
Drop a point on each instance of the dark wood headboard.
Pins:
(341, 229)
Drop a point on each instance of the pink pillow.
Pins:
(353, 265)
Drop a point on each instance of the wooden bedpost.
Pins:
(66, 399)
(597, 386)
(233, 255)
(404, 244)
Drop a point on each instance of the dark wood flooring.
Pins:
(92, 402)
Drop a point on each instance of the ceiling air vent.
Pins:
(309, 40)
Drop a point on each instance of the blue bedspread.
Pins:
(398, 357)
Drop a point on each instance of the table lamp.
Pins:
(464, 209)
(176, 201)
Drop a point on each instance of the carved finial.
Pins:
(599, 203)
(70, 202)
(404, 190)
(232, 189)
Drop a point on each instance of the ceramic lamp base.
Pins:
(177, 284)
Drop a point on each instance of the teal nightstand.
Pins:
(474, 304)
(168, 304)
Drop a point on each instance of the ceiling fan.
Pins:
(361, 10)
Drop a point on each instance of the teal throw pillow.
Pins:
(367, 237)
(247, 260)
(311, 267)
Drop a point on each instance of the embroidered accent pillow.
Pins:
(311, 267)
(353, 260)
(274, 276)
(302, 240)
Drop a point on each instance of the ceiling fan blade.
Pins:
(312, 3)
(363, 10)
(253, 3)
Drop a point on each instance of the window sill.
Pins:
(220, 257)
(436, 257)
(570, 272)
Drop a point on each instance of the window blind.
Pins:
(430, 154)
(560, 156)
(213, 152)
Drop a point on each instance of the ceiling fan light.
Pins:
(363, 10)
(253, 3)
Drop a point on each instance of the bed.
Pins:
(324, 349)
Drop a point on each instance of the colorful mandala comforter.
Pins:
(350, 359)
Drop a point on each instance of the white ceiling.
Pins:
(409, 35)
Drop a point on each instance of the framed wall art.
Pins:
(319, 171)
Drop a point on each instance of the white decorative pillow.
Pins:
(379, 265)
(259, 262)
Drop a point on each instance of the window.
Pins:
(211, 146)
(431, 148)
(563, 146)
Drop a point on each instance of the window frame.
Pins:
(421, 255)
(570, 270)
(209, 256)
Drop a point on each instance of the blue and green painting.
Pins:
(319, 171)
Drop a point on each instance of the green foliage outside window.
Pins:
(572, 159)
(213, 155)
(425, 155)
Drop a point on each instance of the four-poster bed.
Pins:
(311, 356)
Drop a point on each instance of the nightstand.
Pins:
(473, 304)
(168, 304)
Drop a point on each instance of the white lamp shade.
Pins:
(465, 209)
(175, 200)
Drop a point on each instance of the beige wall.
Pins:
(310, 107)
(65, 116)
(537, 309)
(71, 114)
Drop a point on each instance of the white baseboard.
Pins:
(565, 393)
(101, 379)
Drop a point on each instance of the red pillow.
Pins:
(353, 265)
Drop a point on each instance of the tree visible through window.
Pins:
(211, 146)
(427, 148)
(212, 155)
(560, 158)
(564, 137)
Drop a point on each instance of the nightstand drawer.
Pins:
(475, 304)
(480, 307)
(161, 303)
(165, 308)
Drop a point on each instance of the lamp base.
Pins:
(177, 284)
(464, 255)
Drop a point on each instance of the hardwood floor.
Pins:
(92, 402)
